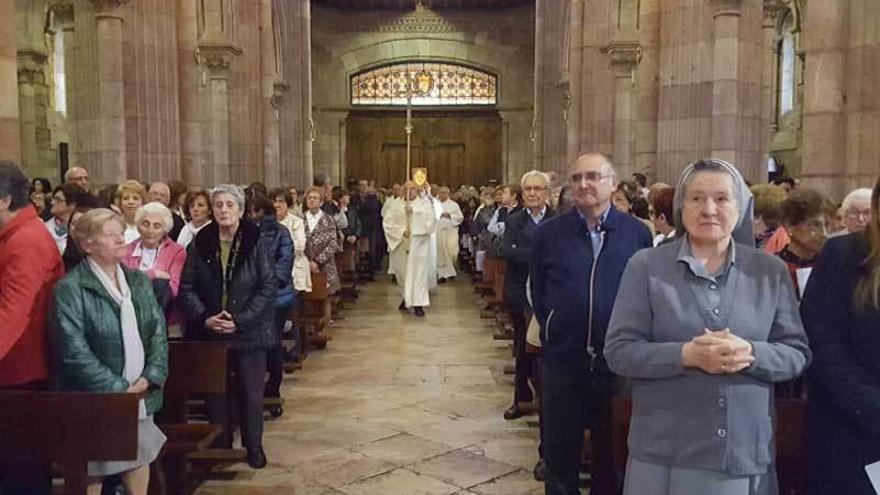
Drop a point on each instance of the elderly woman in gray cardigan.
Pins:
(704, 326)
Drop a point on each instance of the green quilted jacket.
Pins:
(88, 336)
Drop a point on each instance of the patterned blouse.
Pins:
(322, 243)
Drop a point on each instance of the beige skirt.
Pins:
(644, 478)
(150, 442)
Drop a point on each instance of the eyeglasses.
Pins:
(859, 214)
(531, 189)
(593, 177)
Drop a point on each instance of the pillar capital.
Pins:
(278, 90)
(31, 63)
(625, 56)
(727, 8)
(772, 9)
(108, 8)
(218, 57)
(63, 11)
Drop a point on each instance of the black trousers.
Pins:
(243, 402)
(26, 479)
(525, 362)
(275, 358)
(575, 398)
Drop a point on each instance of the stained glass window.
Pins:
(431, 83)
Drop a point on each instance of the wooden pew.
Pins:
(791, 442)
(68, 428)
(195, 368)
(314, 314)
(346, 263)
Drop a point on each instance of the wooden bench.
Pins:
(195, 368)
(791, 442)
(346, 263)
(68, 428)
(314, 314)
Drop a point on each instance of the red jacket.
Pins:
(30, 265)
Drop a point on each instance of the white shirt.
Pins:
(148, 258)
(60, 237)
(313, 219)
(131, 234)
(189, 232)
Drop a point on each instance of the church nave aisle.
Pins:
(397, 405)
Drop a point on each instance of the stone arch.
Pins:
(434, 50)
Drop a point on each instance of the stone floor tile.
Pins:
(462, 468)
(399, 482)
(343, 468)
(403, 449)
(517, 483)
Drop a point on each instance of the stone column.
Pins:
(725, 75)
(193, 164)
(648, 89)
(64, 19)
(769, 74)
(218, 58)
(10, 141)
(111, 121)
(625, 57)
(272, 137)
(31, 73)
(574, 96)
(824, 139)
(298, 126)
(270, 65)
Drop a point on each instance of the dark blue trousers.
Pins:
(576, 399)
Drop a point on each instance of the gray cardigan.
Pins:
(685, 417)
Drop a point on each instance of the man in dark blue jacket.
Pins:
(576, 264)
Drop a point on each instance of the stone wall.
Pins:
(346, 42)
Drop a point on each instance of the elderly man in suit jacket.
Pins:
(577, 262)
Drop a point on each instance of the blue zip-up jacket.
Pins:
(561, 266)
(277, 245)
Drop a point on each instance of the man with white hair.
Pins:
(160, 193)
(447, 235)
(408, 227)
(856, 209)
(78, 176)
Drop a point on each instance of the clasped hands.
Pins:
(221, 323)
(721, 352)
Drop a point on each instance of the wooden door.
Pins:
(456, 147)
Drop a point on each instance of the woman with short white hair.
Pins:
(157, 255)
(856, 211)
(228, 287)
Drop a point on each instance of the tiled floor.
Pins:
(397, 405)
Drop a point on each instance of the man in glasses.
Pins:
(577, 261)
(856, 211)
(78, 176)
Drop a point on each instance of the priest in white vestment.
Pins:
(447, 235)
(408, 230)
(396, 196)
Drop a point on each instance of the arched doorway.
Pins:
(457, 132)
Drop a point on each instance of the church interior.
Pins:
(298, 93)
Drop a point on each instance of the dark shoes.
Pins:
(441, 281)
(256, 458)
(402, 306)
(513, 412)
(276, 411)
(418, 311)
(538, 472)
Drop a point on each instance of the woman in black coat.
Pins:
(841, 314)
(228, 289)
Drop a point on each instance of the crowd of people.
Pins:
(625, 288)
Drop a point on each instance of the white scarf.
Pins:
(132, 346)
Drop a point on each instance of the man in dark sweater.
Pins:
(576, 264)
